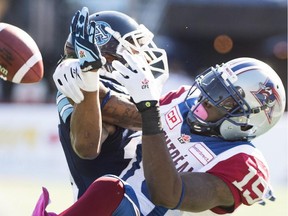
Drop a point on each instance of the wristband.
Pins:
(151, 121)
(181, 196)
(145, 105)
(91, 81)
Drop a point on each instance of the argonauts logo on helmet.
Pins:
(102, 36)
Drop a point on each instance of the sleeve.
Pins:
(64, 107)
(168, 97)
(246, 176)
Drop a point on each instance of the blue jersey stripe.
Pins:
(135, 165)
(64, 107)
(158, 211)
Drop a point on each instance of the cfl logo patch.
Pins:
(145, 84)
(184, 138)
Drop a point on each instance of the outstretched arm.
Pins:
(78, 80)
(186, 191)
(87, 129)
(86, 126)
(193, 192)
(119, 110)
(83, 81)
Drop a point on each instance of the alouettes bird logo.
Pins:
(267, 96)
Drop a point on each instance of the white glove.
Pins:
(68, 79)
(139, 80)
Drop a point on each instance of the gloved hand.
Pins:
(83, 39)
(138, 80)
(68, 79)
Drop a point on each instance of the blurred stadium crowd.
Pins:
(195, 33)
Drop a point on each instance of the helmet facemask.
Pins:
(216, 87)
(140, 42)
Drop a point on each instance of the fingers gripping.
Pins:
(73, 87)
(67, 77)
(74, 22)
(86, 49)
(122, 73)
(139, 81)
(91, 32)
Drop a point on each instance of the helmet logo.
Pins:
(267, 96)
(102, 36)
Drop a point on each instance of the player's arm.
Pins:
(90, 126)
(193, 192)
(88, 95)
(86, 126)
(117, 109)
(187, 191)
(91, 108)
(86, 119)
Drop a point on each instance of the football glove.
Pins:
(83, 39)
(138, 80)
(68, 79)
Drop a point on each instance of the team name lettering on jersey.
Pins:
(180, 161)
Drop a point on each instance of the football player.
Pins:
(195, 152)
(114, 32)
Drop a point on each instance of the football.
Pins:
(20, 57)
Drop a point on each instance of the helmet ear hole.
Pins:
(246, 127)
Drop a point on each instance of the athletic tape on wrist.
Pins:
(91, 81)
(151, 122)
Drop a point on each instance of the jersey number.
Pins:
(255, 186)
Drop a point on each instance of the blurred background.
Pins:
(196, 34)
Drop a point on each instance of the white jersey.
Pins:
(237, 163)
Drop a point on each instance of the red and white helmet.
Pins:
(249, 92)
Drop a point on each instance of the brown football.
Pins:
(20, 57)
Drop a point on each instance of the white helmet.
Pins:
(249, 92)
(116, 32)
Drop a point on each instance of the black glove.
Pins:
(83, 37)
